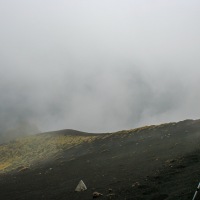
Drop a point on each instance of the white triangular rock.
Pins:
(81, 186)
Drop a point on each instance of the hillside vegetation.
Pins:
(26, 151)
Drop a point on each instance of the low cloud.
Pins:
(98, 67)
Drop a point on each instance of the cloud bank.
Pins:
(98, 66)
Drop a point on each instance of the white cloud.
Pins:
(98, 65)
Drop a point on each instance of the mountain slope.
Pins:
(153, 162)
(30, 150)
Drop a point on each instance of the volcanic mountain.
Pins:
(154, 162)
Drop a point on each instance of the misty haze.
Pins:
(98, 66)
(74, 74)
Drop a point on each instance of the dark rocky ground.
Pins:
(150, 163)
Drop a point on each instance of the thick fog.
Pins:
(98, 65)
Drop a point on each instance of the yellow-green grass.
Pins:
(26, 151)
(150, 127)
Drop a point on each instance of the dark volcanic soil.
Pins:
(158, 162)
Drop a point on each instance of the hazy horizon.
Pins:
(98, 66)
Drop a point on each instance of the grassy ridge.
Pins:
(25, 151)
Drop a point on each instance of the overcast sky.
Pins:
(99, 65)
